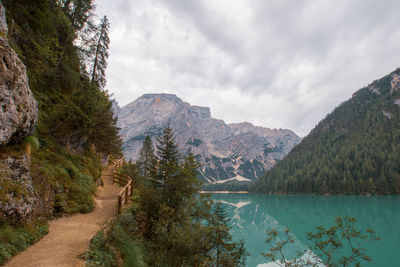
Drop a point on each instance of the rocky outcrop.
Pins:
(395, 83)
(374, 89)
(3, 22)
(18, 108)
(17, 199)
(227, 152)
(18, 118)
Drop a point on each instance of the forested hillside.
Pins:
(355, 149)
(64, 48)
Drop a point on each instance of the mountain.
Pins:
(115, 107)
(355, 149)
(227, 152)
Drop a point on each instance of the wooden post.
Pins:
(119, 203)
(126, 195)
(131, 187)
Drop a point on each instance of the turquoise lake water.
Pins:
(251, 214)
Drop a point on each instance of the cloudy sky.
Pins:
(275, 63)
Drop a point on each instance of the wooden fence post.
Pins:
(119, 203)
(126, 195)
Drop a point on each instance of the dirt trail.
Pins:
(69, 237)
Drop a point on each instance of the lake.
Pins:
(251, 214)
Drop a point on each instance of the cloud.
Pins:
(276, 63)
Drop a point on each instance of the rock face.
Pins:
(18, 108)
(115, 107)
(395, 83)
(3, 22)
(239, 151)
(18, 118)
(18, 203)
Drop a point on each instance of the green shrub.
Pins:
(71, 176)
(16, 238)
(99, 254)
(120, 241)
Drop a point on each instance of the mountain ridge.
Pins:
(236, 151)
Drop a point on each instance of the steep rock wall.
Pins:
(18, 119)
(18, 108)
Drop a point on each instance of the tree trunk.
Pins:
(97, 53)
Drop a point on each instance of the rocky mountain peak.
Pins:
(238, 151)
(202, 112)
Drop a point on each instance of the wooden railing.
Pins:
(118, 163)
(122, 180)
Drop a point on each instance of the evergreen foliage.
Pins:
(355, 149)
(147, 160)
(119, 241)
(76, 123)
(100, 51)
(174, 225)
(337, 245)
(16, 238)
(73, 112)
(226, 253)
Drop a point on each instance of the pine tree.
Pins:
(227, 253)
(147, 160)
(190, 182)
(100, 49)
(168, 164)
(80, 13)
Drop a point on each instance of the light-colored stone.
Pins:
(3, 21)
(115, 107)
(18, 118)
(395, 83)
(374, 89)
(17, 205)
(18, 108)
(387, 114)
(224, 150)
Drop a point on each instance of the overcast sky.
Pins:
(274, 63)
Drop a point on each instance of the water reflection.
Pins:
(252, 213)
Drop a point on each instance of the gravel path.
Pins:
(69, 237)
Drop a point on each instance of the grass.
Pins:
(71, 176)
(16, 238)
(66, 176)
(119, 246)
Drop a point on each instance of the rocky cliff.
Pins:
(19, 110)
(227, 152)
(18, 118)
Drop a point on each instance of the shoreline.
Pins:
(223, 192)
